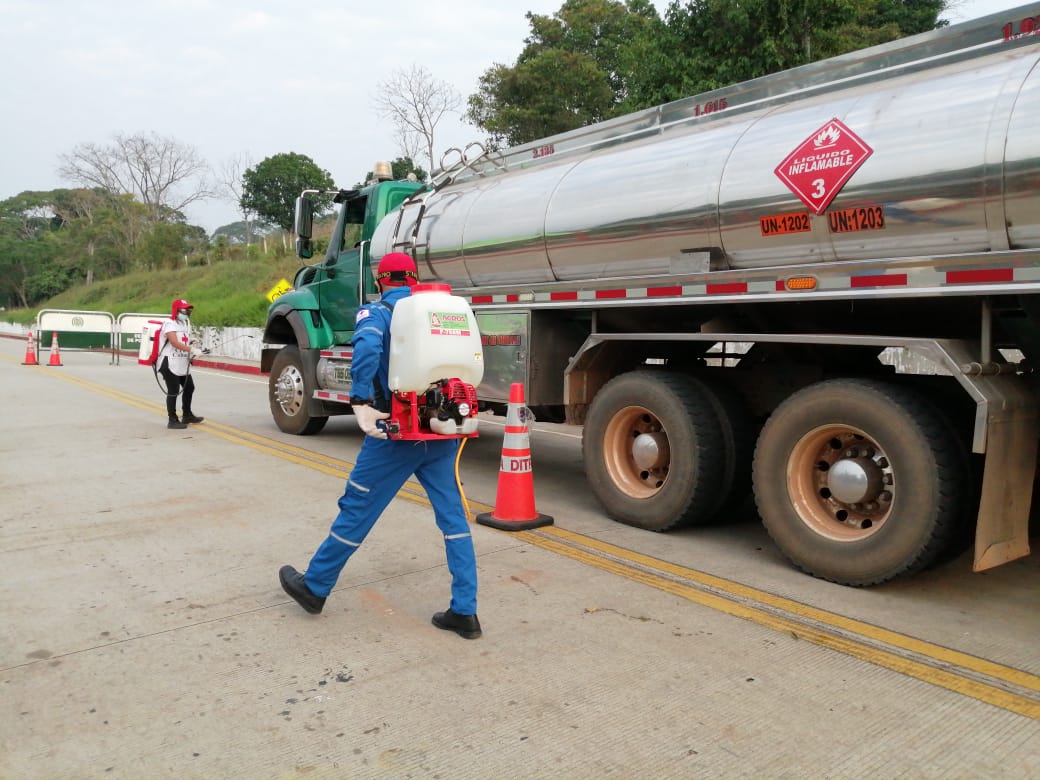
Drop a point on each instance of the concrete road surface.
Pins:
(144, 634)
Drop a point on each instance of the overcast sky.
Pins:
(251, 78)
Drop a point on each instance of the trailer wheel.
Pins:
(858, 481)
(289, 391)
(738, 446)
(650, 446)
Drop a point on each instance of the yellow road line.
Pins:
(729, 597)
(902, 641)
(941, 677)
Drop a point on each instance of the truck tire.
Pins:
(650, 445)
(289, 390)
(858, 481)
(738, 447)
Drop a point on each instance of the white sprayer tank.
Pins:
(149, 332)
(433, 336)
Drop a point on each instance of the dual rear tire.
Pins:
(857, 481)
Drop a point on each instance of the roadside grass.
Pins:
(230, 293)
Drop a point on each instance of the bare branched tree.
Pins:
(230, 185)
(160, 172)
(415, 102)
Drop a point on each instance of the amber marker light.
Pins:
(801, 283)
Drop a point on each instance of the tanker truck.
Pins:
(819, 287)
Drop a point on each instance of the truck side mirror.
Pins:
(304, 221)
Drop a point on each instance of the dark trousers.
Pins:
(174, 383)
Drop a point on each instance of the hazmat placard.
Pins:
(818, 169)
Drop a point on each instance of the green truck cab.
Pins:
(308, 330)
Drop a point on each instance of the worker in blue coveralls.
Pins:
(383, 466)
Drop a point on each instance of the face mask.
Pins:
(182, 316)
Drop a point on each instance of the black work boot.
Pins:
(466, 626)
(175, 423)
(188, 417)
(293, 584)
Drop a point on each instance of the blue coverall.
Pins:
(382, 468)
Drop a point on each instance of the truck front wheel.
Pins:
(859, 481)
(651, 448)
(289, 391)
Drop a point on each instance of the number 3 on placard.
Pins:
(818, 188)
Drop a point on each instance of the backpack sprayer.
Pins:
(433, 334)
(148, 353)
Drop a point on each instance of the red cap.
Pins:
(397, 268)
(177, 305)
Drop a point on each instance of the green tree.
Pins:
(170, 244)
(708, 44)
(271, 187)
(27, 268)
(241, 232)
(92, 240)
(595, 59)
(574, 70)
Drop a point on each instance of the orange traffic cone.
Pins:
(30, 352)
(514, 502)
(55, 354)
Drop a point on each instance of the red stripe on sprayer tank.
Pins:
(724, 288)
(982, 275)
(655, 292)
(513, 298)
(563, 296)
(611, 293)
(482, 299)
(879, 280)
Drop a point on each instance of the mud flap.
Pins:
(1002, 529)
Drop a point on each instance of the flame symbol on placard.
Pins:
(827, 138)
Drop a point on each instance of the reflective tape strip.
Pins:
(889, 275)
(516, 441)
(328, 395)
(516, 465)
(362, 488)
(345, 541)
(448, 537)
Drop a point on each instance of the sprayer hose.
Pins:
(458, 479)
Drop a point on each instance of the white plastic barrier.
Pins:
(76, 330)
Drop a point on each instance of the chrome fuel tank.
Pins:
(948, 122)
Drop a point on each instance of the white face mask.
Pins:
(182, 316)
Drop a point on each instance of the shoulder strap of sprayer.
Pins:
(381, 401)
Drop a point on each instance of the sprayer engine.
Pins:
(448, 409)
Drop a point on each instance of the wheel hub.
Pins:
(650, 450)
(855, 480)
(288, 391)
(841, 482)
